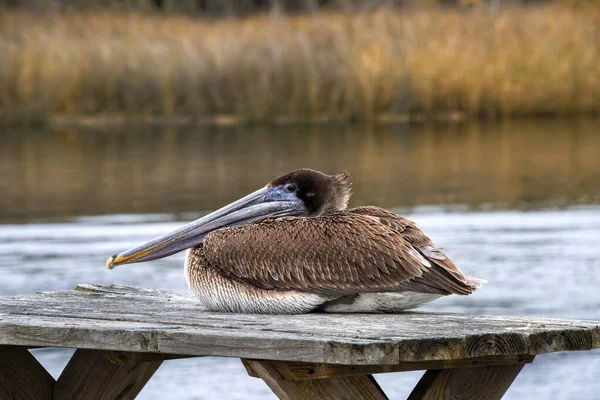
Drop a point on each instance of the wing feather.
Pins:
(366, 249)
(445, 277)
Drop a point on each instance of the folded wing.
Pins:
(366, 249)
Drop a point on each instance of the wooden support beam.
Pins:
(22, 377)
(90, 375)
(298, 371)
(351, 387)
(126, 357)
(488, 383)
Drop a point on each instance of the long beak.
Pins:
(249, 208)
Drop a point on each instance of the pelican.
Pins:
(294, 247)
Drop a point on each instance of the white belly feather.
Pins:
(382, 302)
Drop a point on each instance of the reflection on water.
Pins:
(538, 263)
(512, 164)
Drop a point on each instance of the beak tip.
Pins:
(110, 262)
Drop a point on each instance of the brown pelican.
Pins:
(293, 247)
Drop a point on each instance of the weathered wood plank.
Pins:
(132, 290)
(89, 375)
(172, 339)
(143, 320)
(489, 383)
(22, 377)
(352, 387)
(297, 371)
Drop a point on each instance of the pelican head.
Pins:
(302, 192)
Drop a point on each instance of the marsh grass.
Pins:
(331, 66)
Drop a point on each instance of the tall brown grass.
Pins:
(521, 61)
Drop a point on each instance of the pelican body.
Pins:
(294, 247)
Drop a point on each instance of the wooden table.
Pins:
(122, 335)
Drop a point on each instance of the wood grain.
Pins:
(307, 371)
(22, 377)
(90, 375)
(489, 383)
(124, 357)
(352, 387)
(127, 319)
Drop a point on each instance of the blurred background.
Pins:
(120, 120)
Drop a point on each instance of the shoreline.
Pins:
(231, 121)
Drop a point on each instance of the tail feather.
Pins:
(477, 282)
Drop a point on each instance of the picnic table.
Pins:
(123, 334)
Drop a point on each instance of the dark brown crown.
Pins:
(321, 193)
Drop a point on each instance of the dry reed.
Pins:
(521, 61)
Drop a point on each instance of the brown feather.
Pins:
(445, 277)
(366, 249)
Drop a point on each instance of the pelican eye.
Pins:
(291, 188)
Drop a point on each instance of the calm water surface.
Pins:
(513, 203)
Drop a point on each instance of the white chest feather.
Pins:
(218, 293)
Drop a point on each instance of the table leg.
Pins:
(349, 387)
(22, 377)
(90, 375)
(489, 383)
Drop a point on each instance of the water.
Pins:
(50, 174)
(515, 204)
